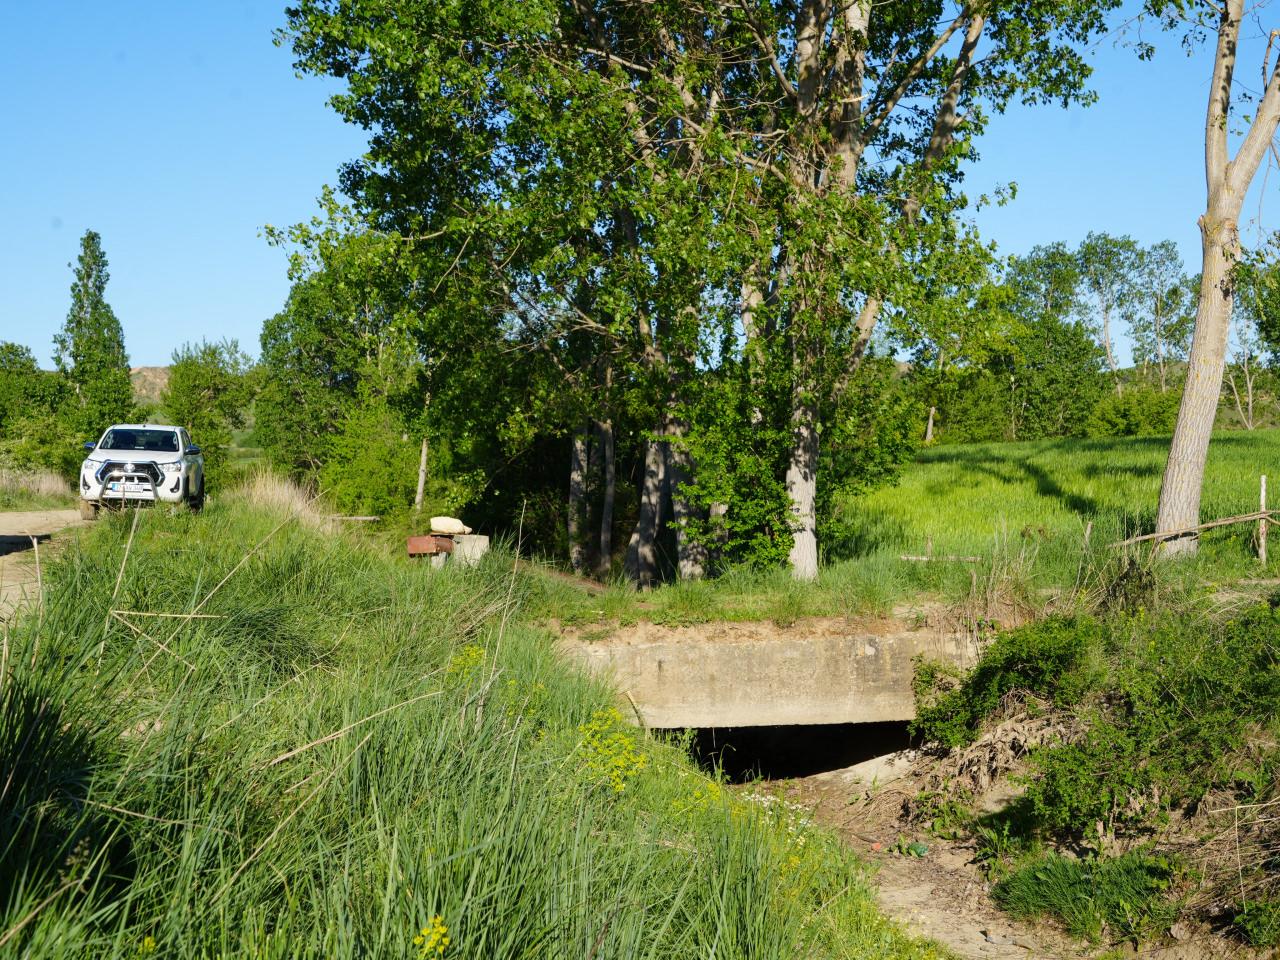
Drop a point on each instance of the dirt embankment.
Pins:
(935, 887)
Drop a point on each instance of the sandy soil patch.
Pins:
(18, 555)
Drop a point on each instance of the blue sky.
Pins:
(177, 131)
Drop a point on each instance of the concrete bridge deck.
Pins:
(818, 671)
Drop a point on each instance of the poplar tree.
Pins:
(90, 348)
(1228, 177)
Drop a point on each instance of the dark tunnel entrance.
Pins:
(780, 753)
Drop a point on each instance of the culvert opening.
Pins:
(779, 753)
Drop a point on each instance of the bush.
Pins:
(1138, 412)
(1180, 706)
(1168, 709)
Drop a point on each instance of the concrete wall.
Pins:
(742, 675)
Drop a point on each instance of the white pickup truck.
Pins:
(141, 463)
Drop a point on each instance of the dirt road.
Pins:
(18, 579)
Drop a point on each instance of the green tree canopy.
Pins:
(209, 392)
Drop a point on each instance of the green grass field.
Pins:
(237, 734)
(968, 498)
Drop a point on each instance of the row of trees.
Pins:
(1056, 371)
(678, 246)
(45, 415)
(681, 239)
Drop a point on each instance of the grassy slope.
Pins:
(1022, 507)
(346, 747)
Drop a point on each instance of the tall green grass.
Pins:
(344, 751)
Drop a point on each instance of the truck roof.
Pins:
(141, 426)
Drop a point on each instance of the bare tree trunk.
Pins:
(928, 427)
(1227, 181)
(1248, 386)
(642, 549)
(1159, 337)
(1245, 408)
(691, 555)
(578, 501)
(422, 476)
(1184, 472)
(1106, 345)
(802, 489)
(605, 560)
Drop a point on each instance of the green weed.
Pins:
(1049, 659)
(1123, 898)
(1259, 922)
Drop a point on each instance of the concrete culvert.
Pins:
(779, 753)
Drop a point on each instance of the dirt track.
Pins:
(18, 579)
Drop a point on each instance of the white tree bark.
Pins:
(422, 477)
(691, 555)
(802, 489)
(642, 549)
(1227, 180)
(578, 502)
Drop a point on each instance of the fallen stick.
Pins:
(176, 616)
(953, 559)
(1170, 534)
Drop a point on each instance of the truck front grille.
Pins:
(132, 472)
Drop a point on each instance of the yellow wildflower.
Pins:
(433, 940)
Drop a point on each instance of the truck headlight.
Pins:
(175, 467)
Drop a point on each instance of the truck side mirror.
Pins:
(193, 450)
(90, 445)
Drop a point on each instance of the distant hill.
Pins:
(148, 383)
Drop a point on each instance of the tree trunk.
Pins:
(1184, 472)
(422, 477)
(1227, 181)
(928, 427)
(802, 489)
(578, 501)
(642, 549)
(605, 560)
(1106, 345)
(1159, 336)
(691, 555)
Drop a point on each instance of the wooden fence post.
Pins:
(1262, 522)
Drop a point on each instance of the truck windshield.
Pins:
(156, 441)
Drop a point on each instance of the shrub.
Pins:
(1182, 704)
(1138, 412)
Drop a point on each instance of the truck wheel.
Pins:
(88, 510)
(195, 502)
